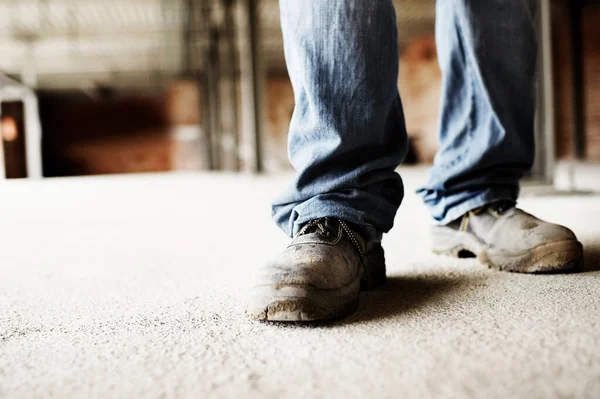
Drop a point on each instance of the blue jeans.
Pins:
(347, 135)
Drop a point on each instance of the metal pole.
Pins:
(205, 81)
(186, 56)
(546, 151)
(215, 97)
(253, 25)
(250, 85)
(231, 66)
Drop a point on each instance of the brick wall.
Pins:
(591, 50)
(125, 134)
(563, 80)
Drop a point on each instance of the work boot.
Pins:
(319, 275)
(506, 238)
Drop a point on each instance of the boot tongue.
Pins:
(324, 226)
(501, 207)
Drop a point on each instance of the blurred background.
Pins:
(127, 86)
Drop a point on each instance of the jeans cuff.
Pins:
(486, 197)
(367, 231)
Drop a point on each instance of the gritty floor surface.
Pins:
(134, 287)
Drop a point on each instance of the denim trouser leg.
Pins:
(487, 52)
(347, 133)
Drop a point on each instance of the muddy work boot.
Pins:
(504, 237)
(318, 276)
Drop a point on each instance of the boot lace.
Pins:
(318, 226)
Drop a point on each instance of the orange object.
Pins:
(9, 129)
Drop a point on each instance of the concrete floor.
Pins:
(124, 287)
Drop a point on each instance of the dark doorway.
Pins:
(13, 139)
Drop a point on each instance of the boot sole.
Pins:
(302, 303)
(553, 257)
